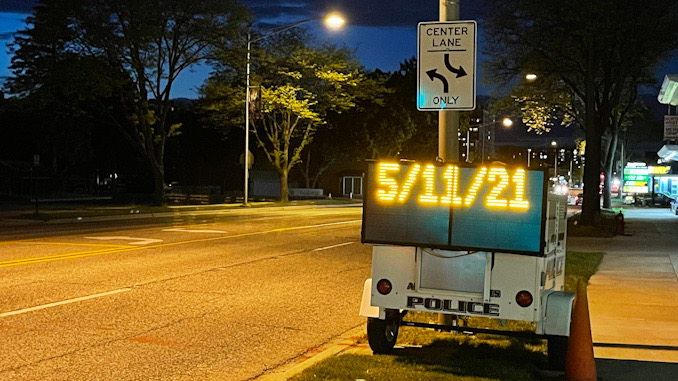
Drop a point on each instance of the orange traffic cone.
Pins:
(580, 364)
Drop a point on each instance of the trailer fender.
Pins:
(366, 307)
(558, 313)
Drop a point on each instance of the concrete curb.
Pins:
(343, 344)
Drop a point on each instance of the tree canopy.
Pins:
(601, 50)
(301, 86)
(126, 56)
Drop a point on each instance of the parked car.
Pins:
(674, 206)
(663, 199)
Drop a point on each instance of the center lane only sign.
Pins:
(446, 66)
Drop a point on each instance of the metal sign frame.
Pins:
(446, 65)
(448, 225)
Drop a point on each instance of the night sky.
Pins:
(383, 34)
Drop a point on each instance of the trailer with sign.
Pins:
(465, 240)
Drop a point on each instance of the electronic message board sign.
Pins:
(455, 206)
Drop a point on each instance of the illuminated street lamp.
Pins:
(332, 21)
(506, 122)
(530, 77)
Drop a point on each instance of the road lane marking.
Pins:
(194, 231)
(28, 261)
(134, 241)
(26, 242)
(333, 246)
(67, 301)
(56, 257)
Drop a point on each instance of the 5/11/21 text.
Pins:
(395, 186)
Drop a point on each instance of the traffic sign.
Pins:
(446, 65)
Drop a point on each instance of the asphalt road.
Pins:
(227, 299)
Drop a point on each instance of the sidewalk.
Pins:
(633, 298)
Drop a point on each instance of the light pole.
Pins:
(529, 154)
(572, 159)
(555, 161)
(332, 21)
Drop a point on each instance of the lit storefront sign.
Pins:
(636, 177)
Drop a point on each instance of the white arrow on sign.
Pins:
(193, 231)
(135, 241)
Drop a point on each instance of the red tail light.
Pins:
(384, 286)
(524, 298)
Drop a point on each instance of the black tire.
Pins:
(557, 352)
(382, 334)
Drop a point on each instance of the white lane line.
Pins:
(80, 299)
(194, 231)
(133, 241)
(333, 246)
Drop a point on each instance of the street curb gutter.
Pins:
(335, 347)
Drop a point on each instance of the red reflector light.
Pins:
(384, 286)
(524, 298)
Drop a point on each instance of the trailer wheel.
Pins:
(557, 352)
(382, 334)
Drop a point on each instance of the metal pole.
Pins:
(448, 121)
(468, 144)
(246, 155)
(448, 125)
(482, 150)
(623, 158)
(555, 165)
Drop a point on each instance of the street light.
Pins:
(529, 154)
(506, 122)
(332, 21)
(335, 21)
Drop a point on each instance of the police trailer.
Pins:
(465, 240)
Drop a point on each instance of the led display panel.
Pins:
(455, 207)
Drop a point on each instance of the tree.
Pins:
(540, 104)
(599, 49)
(142, 46)
(392, 128)
(300, 87)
